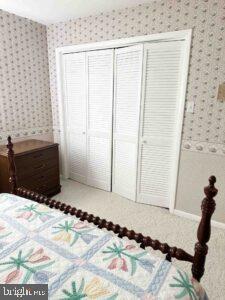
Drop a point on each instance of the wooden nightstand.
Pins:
(37, 166)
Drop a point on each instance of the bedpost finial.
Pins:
(204, 229)
(12, 166)
(212, 180)
(10, 144)
(210, 190)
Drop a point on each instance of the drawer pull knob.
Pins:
(40, 167)
(38, 155)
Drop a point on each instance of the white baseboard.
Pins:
(197, 218)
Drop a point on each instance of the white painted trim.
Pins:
(166, 36)
(180, 113)
(189, 216)
(60, 95)
(159, 37)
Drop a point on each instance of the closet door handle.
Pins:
(144, 142)
(84, 132)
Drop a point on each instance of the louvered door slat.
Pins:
(75, 114)
(159, 121)
(127, 91)
(99, 117)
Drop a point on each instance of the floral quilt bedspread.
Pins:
(79, 261)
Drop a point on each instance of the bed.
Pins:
(81, 256)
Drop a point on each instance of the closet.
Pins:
(121, 122)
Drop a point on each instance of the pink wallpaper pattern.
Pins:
(203, 131)
(25, 105)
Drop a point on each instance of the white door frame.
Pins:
(184, 35)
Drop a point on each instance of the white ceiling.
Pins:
(53, 11)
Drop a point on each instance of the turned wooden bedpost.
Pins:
(204, 229)
(12, 167)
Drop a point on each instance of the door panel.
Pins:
(99, 67)
(159, 128)
(127, 94)
(75, 114)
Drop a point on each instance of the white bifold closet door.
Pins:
(159, 140)
(75, 115)
(99, 118)
(88, 87)
(127, 95)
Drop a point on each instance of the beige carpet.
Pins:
(156, 222)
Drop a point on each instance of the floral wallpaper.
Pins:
(25, 105)
(203, 130)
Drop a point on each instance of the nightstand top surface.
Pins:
(23, 147)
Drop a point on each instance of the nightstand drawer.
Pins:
(42, 181)
(36, 168)
(37, 157)
(36, 162)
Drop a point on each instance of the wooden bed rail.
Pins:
(102, 223)
(203, 234)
